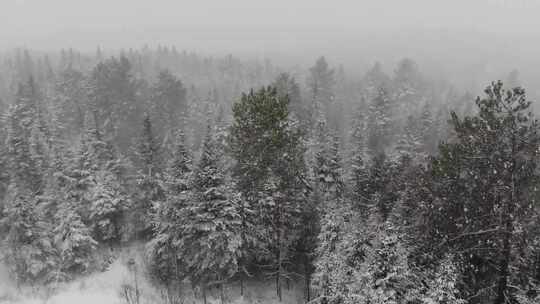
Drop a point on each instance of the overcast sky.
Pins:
(26, 21)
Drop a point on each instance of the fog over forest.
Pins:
(283, 151)
(491, 37)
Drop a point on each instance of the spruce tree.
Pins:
(149, 180)
(30, 254)
(321, 85)
(25, 171)
(410, 142)
(287, 86)
(379, 123)
(168, 101)
(210, 244)
(74, 242)
(179, 169)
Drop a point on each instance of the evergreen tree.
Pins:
(108, 204)
(30, 253)
(321, 85)
(483, 182)
(374, 80)
(359, 181)
(328, 172)
(178, 172)
(149, 180)
(210, 244)
(112, 94)
(168, 101)
(426, 129)
(269, 168)
(168, 219)
(148, 149)
(288, 87)
(379, 123)
(70, 97)
(410, 143)
(74, 243)
(21, 118)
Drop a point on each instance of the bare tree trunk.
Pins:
(307, 277)
(504, 264)
(203, 289)
(506, 234)
(241, 287)
(280, 236)
(222, 294)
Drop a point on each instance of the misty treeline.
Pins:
(390, 188)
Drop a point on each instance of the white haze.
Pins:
(454, 38)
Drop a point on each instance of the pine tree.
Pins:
(269, 163)
(483, 182)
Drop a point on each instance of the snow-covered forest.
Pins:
(220, 172)
(268, 152)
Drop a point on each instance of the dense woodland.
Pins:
(386, 188)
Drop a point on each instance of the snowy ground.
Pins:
(106, 288)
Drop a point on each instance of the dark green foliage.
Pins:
(483, 182)
(259, 135)
(400, 227)
(270, 172)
